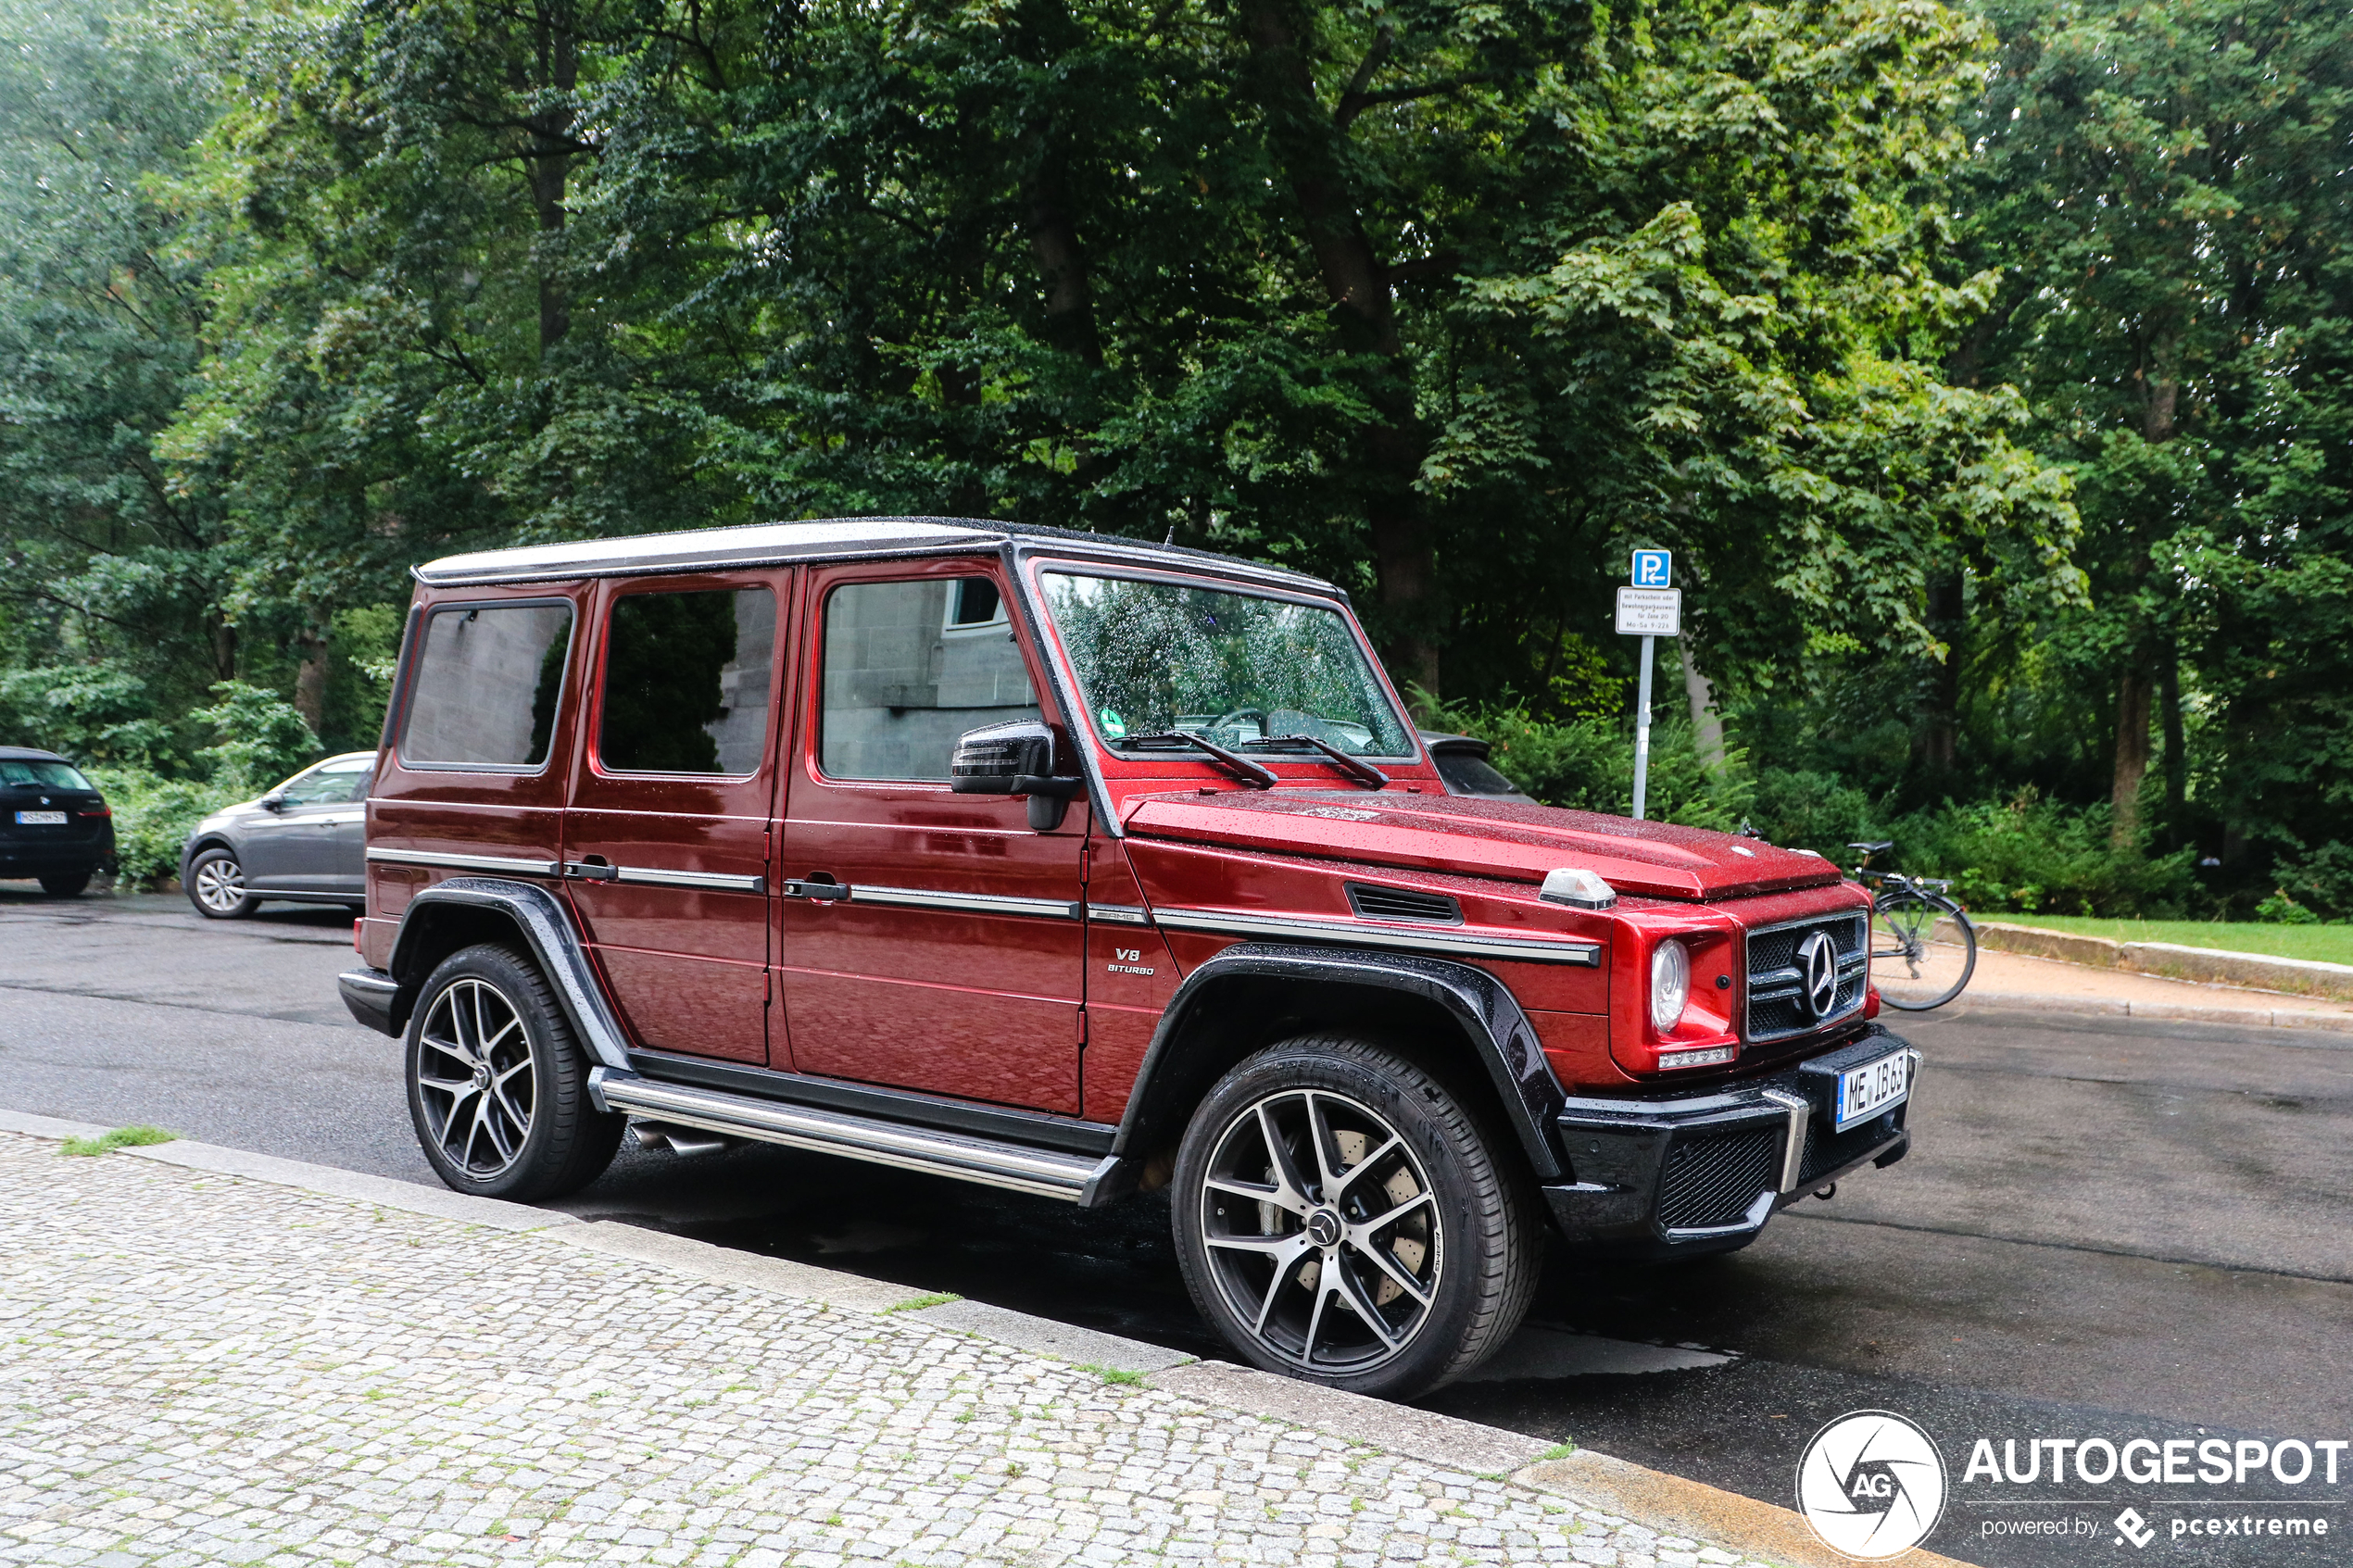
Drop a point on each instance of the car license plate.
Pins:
(41, 819)
(1865, 1091)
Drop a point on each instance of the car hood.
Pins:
(1475, 836)
(244, 811)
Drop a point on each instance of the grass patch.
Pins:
(1119, 1375)
(122, 1137)
(917, 1303)
(2325, 944)
(1558, 1451)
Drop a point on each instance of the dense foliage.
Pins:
(1857, 304)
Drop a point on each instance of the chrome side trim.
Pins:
(1462, 942)
(713, 882)
(1801, 1112)
(1118, 914)
(505, 864)
(1047, 1172)
(965, 903)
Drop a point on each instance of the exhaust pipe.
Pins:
(678, 1140)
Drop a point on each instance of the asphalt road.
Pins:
(2106, 1229)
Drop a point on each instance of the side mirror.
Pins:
(1014, 758)
(273, 801)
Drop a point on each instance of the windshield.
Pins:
(37, 773)
(1159, 658)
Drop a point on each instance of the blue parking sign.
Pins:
(1653, 569)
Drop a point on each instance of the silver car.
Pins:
(306, 841)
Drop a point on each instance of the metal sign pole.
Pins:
(1643, 731)
(1651, 608)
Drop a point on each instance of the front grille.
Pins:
(1779, 1006)
(1711, 1179)
(1402, 903)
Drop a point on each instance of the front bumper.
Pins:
(373, 997)
(1686, 1175)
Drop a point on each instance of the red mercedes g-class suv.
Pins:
(1078, 865)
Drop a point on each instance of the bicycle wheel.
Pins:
(1923, 949)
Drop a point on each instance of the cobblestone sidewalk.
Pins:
(200, 1369)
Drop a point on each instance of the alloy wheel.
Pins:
(220, 884)
(1322, 1231)
(475, 1075)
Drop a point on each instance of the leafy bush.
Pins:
(2313, 888)
(152, 818)
(1588, 764)
(2032, 855)
(262, 738)
(2023, 855)
(1820, 812)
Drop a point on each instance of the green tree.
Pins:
(112, 580)
(2162, 188)
(1452, 303)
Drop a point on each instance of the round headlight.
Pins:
(1670, 984)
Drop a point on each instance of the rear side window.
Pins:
(686, 682)
(485, 685)
(908, 668)
(40, 773)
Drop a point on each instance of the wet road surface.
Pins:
(2109, 1227)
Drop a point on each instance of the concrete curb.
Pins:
(1062, 1341)
(48, 1127)
(2322, 1024)
(723, 1266)
(2170, 960)
(1438, 1440)
(383, 1191)
(1629, 1492)
(1674, 1505)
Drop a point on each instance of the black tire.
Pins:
(66, 884)
(1257, 1265)
(468, 1105)
(215, 885)
(1902, 922)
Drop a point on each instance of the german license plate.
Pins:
(1865, 1091)
(41, 819)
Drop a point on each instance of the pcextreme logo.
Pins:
(1872, 1485)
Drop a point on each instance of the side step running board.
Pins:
(1075, 1178)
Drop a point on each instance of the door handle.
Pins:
(596, 868)
(823, 889)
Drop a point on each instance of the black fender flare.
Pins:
(1484, 1008)
(547, 926)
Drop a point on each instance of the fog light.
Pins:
(1714, 1056)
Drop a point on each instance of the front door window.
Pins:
(910, 666)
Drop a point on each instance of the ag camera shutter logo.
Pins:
(1872, 1485)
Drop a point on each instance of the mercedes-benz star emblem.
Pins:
(1818, 963)
(1323, 1227)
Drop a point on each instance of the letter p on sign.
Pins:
(1653, 569)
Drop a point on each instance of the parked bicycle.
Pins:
(1916, 924)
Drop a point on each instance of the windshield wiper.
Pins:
(1355, 768)
(1243, 767)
